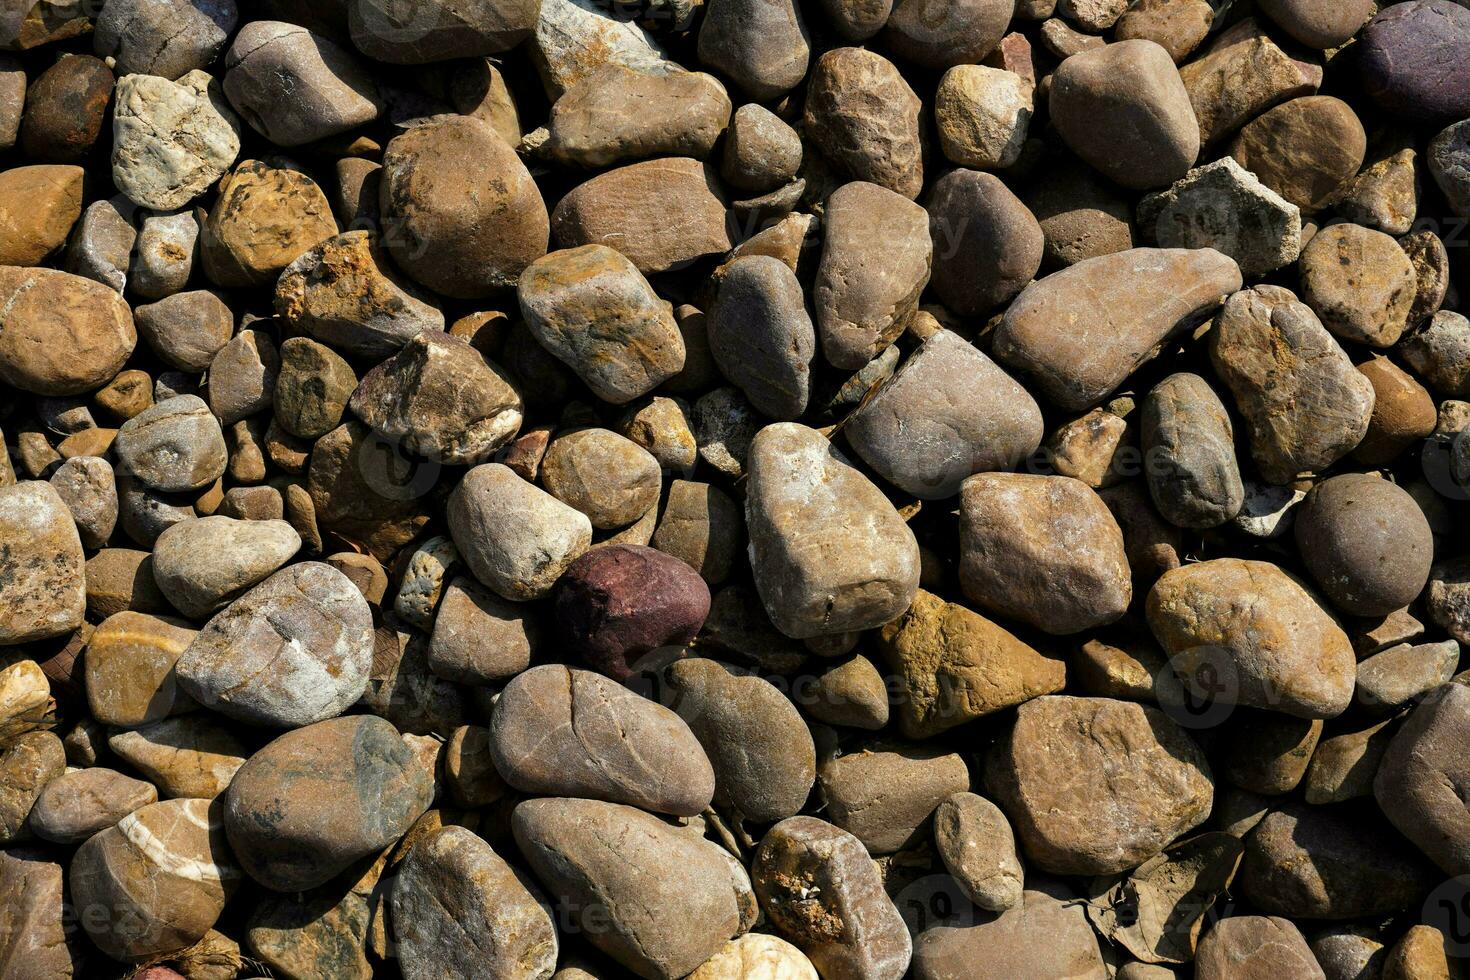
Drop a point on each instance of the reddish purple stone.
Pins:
(1412, 59)
(616, 603)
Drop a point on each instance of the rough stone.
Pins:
(1304, 405)
(594, 311)
(864, 118)
(41, 564)
(1224, 207)
(1282, 652)
(263, 219)
(953, 665)
(171, 140)
(345, 293)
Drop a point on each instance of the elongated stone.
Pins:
(828, 551)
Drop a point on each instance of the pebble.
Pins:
(168, 39)
(1316, 23)
(1324, 862)
(1241, 75)
(828, 551)
(1043, 550)
(761, 151)
(310, 628)
(1178, 26)
(1303, 404)
(701, 526)
(756, 955)
(1385, 196)
(38, 207)
(171, 139)
(79, 803)
(864, 118)
(66, 109)
(574, 38)
(952, 666)
(12, 100)
(64, 335)
(129, 669)
(479, 637)
(440, 399)
(1166, 792)
(1399, 53)
(205, 565)
(1079, 333)
(437, 31)
(102, 242)
(762, 45)
(1224, 207)
(345, 292)
(1124, 110)
(969, 416)
(1282, 652)
(1403, 412)
(558, 731)
(593, 310)
(173, 445)
(1360, 284)
(41, 563)
(459, 908)
(968, 31)
(850, 693)
(1255, 947)
(187, 757)
(618, 115)
(1415, 783)
(612, 480)
(156, 882)
(862, 299)
(87, 487)
(1371, 546)
(661, 426)
(33, 933)
(823, 892)
(318, 798)
(163, 258)
(975, 841)
(762, 337)
(293, 86)
(516, 538)
(1391, 679)
(620, 601)
(263, 219)
(365, 494)
(623, 208)
(605, 865)
(983, 115)
(28, 762)
(762, 752)
(885, 794)
(1326, 144)
(1187, 438)
(1046, 935)
(312, 389)
(186, 329)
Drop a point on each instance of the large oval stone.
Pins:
(294, 650)
(316, 799)
(557, 731)
(156, 882)
(61, 334)
(609, 866)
